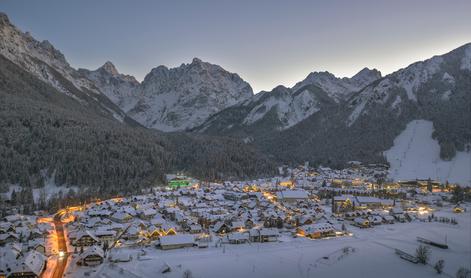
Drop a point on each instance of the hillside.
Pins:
(333, 128)
(416, 155)
(54, 122)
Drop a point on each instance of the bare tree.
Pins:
(422, 253)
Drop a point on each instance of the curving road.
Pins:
(61, 247)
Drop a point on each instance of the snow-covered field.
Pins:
(373, 255)
(416, 155)
(50, 188)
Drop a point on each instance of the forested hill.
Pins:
(44, 131)
(320, 121)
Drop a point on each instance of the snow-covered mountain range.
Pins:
(172, 99)
(323, 119)
(184, 97)
(288, 106)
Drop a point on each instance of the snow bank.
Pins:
(416, 155)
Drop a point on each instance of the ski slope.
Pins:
(416, 154)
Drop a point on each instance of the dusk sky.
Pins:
(267, 43)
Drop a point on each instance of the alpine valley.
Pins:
(105, 129)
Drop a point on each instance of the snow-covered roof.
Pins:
(360, 220)
(292, 194)
(33, 262)
(367, 199)
(93, 250)
(177, 239)
(149, 211)
(269, 232)
(237, 224)
(318, 227)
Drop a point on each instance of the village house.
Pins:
(375, 219)
(292, 195)
(346, 203)
(238, 237)
(6, 227)
(8, 238)
(132, 233)
(361, 222)
(121, 217)
(31, 265)
(38, 245)
(221, 228)
(366, 202)
(96, 222)
(195, 229)
(176, 241)
(237, 226)
(105, 236)
(315, 231)
(93, 255)
(147, 213)
(343, 203)
(264, 235)
(388, 219)
(398, 214)
(83, 238)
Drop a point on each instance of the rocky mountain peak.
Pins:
(157, 72)
(366, 76)
(185, 96)
(339, 88)
(319, 75)
(196, 61)
(281, 89)
(4, 19)
(109, 68)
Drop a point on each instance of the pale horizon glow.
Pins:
(268, 43)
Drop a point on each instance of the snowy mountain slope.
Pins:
(184, 97)
(290, 106)
(278, 109)
(22, 49)
(416, 155)
(363, 124)
(339, 88)
(49, 65)
(121, 89)
(168, 99)
(43, 129)
(411, 81)
(173, 99)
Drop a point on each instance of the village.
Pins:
(301, 207)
